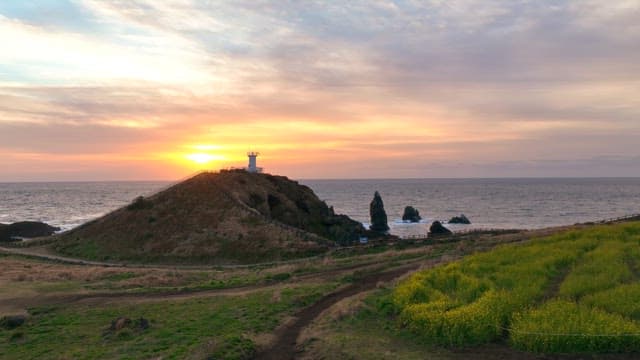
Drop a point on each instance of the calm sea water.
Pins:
(488, 203)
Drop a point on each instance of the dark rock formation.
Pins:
(25, 229)
(438, 229)
(411, 214)
(459, 220)
(378, 215)
(12, 321)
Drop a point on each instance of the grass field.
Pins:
(221, 327)
(572, 292)
(226, 314)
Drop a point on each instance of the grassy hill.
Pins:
(219, 218)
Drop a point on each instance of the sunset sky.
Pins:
(142, 90)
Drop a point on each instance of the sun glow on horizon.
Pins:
(96, 93)
(203, 158)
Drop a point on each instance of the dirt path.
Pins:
(42, 252)
(37, 252)
(105, 298)
(285, 346)
(99, 298)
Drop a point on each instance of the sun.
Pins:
(202, 158)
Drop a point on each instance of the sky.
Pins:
(157, 90)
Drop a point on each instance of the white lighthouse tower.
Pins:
(253, 168)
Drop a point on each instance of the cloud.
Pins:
(470, 82)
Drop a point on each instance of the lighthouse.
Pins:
(253, 168)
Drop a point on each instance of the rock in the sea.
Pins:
(411, 214)
(459, 220)
(438, 229)
(26, 229)
(378, 215)
(12, 321)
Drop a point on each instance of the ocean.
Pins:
(488, 203)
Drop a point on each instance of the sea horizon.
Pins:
(501, 202)
(331, 179)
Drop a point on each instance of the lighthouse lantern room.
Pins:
(253, 168)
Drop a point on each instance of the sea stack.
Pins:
(411, 214)
(460, 220)
(378, 215)
(437, 229)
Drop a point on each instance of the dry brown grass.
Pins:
(18, 270)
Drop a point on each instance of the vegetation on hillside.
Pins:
(215, 218)
(572, 292)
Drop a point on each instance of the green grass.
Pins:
(475, 300)
(601, 269)
(623, 300)
(372, 333)
(120, 276)
(220, 326)
(561, 326)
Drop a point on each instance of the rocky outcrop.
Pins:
(25, 229)
(437, 229)
(411, 214)
(459, 220)
(378, 215)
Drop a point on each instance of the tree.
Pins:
(378, 215)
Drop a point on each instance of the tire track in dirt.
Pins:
(98, 298)
(285, 345)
